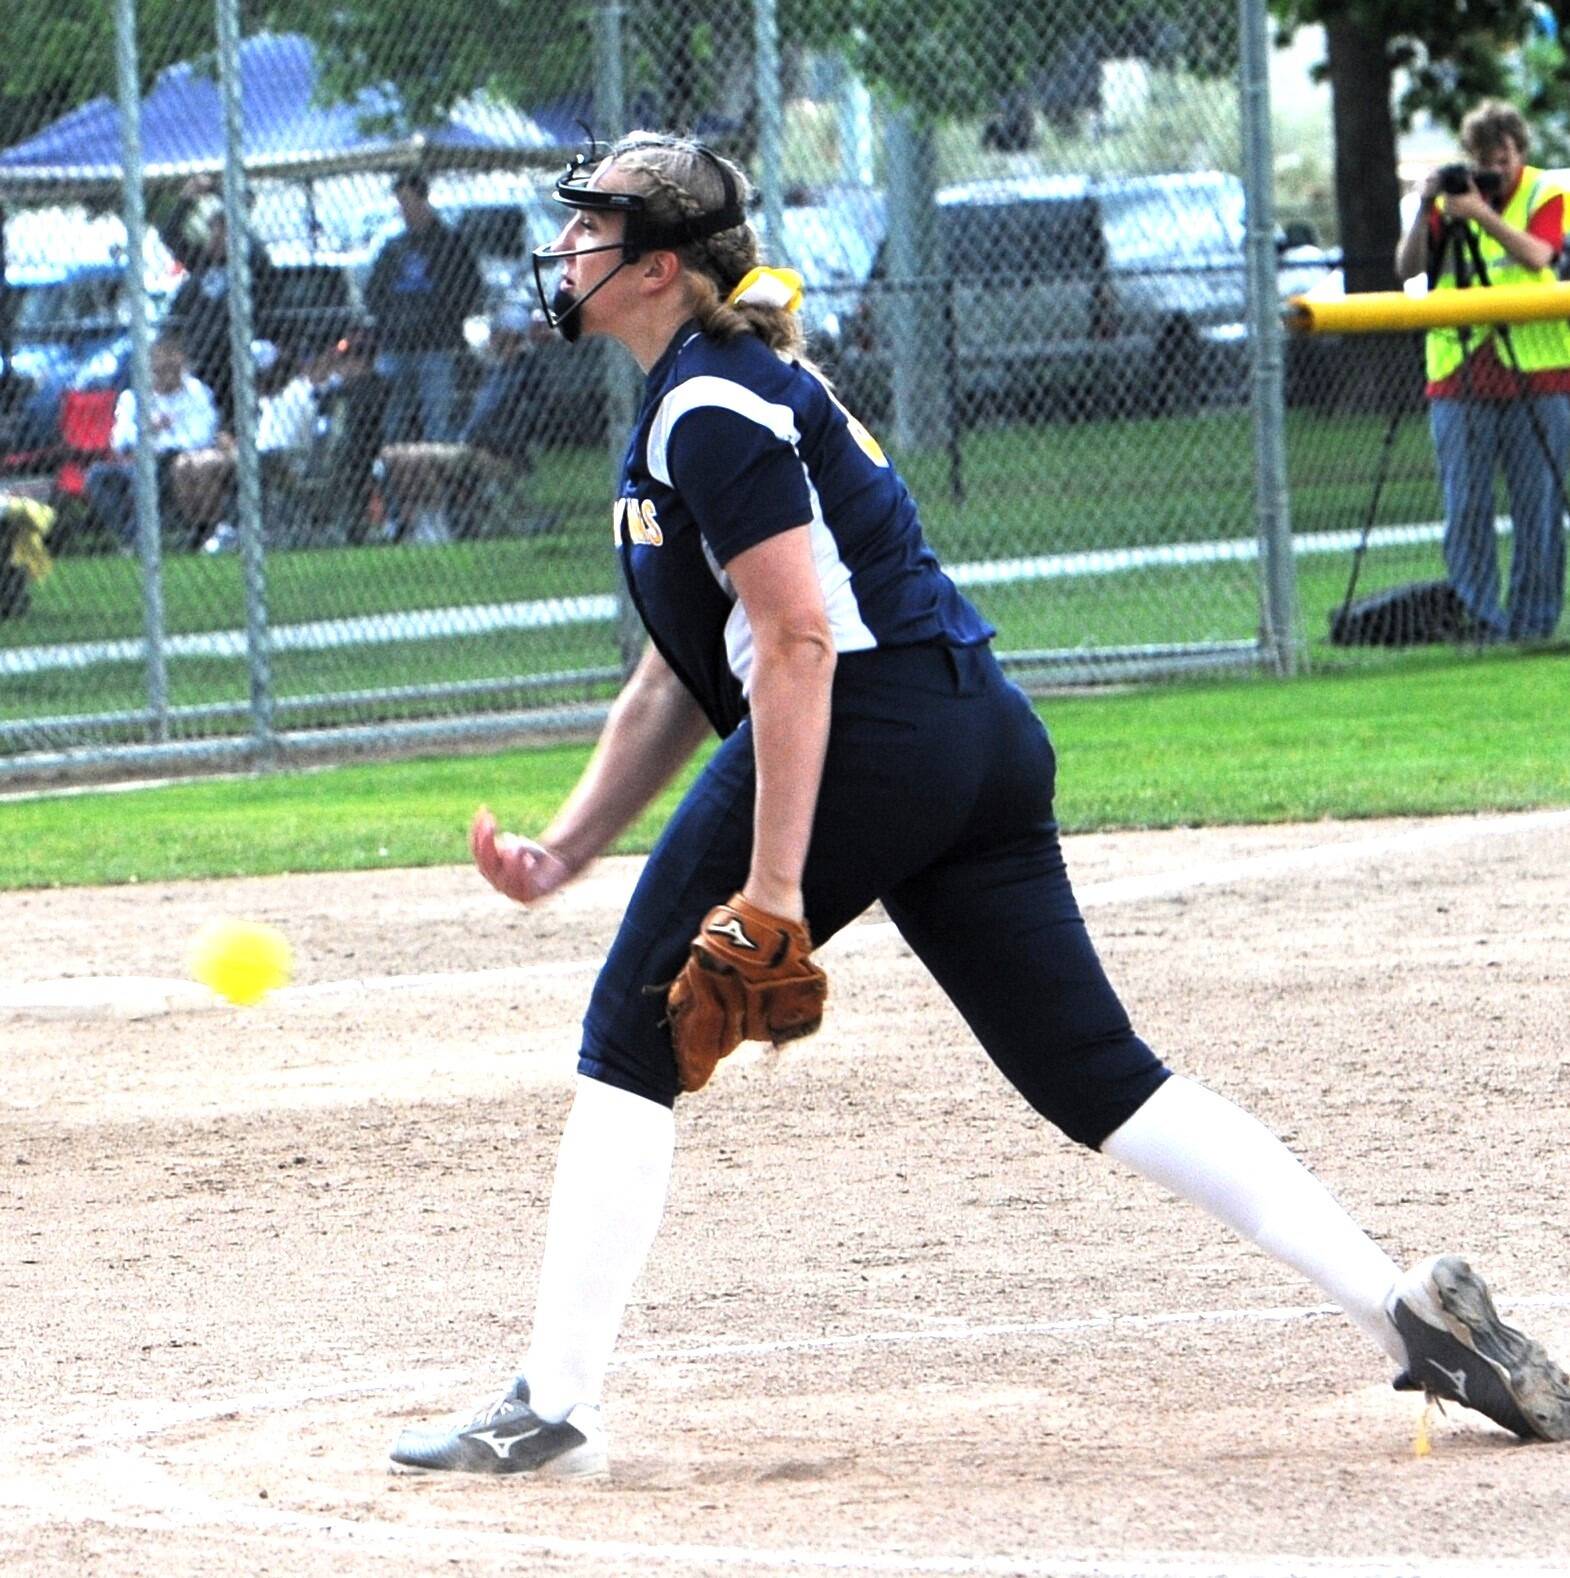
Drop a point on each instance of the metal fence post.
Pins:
(248, 482)
(621, 384)
(146, 477)
(768, 98)
(1278, 570)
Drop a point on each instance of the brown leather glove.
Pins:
(748, 977)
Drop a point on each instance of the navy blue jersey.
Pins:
(734, 445)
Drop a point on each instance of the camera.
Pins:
(1457, 178)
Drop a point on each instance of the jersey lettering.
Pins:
(648, 529)
(865, 442)
(637, 520)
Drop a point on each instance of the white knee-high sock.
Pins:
(1210, 1152)
(606, 1204)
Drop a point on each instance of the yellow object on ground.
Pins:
(26, 522)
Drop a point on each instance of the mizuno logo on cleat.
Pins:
(1457, 1379)
(732, 928)
(501, 1445)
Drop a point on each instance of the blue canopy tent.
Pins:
(286, 134)
(300, 154)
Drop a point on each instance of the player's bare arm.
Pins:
(654, 726)
(793, 676)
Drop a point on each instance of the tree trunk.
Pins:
(1368, 196)
(1368, 210)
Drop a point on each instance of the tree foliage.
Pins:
(940, 57)
(946, 58)
(1451, 56)
(1447, 58)
(60, 53)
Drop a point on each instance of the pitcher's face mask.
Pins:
(641, 231)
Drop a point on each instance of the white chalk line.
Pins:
(160, 1419)
(196, 1510)
(138, 997)
(992, 1331)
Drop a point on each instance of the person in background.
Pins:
(183, 417)
(294, 426)
(442, 483)
(197, 233)
(423, 285)
(1499, 396)
(354, 406)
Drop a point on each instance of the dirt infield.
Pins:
(894, 1324)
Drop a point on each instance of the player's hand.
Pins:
(518, 867)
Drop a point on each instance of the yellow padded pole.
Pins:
(1389, 311)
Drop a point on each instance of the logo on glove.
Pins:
(731, 927)
(735, 987)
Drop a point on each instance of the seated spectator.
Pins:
(439, 484)
(353, 404)
(318, 424)
(203, 480)
(183, 416)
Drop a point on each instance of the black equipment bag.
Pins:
(1421, 613)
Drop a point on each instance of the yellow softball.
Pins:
(241, 960)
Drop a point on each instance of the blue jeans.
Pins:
(1530, 440)
(420, 396)
(110, 488)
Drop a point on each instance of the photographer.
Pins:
(1499, 395)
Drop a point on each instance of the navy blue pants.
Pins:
(936, 799)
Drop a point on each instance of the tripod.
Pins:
(1458, 243)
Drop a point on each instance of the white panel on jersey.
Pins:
(846, 625)
(849, 630)
(728, 395)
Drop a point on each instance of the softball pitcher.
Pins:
(871, 750)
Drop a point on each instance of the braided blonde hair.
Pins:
(678, 180)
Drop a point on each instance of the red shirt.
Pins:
(1483, 376)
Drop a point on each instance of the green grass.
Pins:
(1429, 733)
(1017, 491)
(1026, 490)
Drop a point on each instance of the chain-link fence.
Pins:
(371, 499)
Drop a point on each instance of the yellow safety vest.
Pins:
(1537, 346)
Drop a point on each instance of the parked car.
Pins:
(60, 316)
(831, 237)
(1070, 295)
(315, 292)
